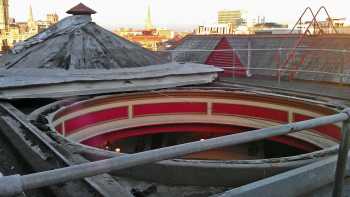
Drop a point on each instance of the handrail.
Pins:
(256, 49)
(288, 70)
(280, 70)
(302, 15)
(330, 18)
(293, 182)
(16, 184)
(291, 55)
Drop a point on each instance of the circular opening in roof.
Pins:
(138, 122)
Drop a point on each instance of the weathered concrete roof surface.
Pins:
(193, 42)
(55, 83)
(78, 43)
(21, 77)
(209, 42)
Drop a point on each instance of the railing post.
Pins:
(233, 63)
(341, 70)
(342, 160)
(279, 66)
(248, 73)
(172, 56)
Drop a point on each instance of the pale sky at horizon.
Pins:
(176, 13)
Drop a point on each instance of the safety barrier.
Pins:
(248, 60)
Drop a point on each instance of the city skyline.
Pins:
(174, 14)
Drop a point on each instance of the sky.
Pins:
(177, 14)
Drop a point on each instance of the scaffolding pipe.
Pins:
(233, 63)
(342, 160)
(16, 184)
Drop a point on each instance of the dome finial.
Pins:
(81, 9)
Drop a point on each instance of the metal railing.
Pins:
(339, 75)
(274, 67)
(16, 184)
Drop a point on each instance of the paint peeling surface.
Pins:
(29, 77)
(78, 43)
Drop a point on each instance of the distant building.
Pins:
(12, 32)
(270, 28)
(338, 24)
(233, 17)
(166, 33)
(229, 22)
(343, 29)
(149, 37)
(52, 18)
(326, 26)
(214, 29)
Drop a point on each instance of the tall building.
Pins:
(149, 25)
(12, 32)
(30, 14)
(31, 23)
(150, 37)
(4, 14)
(218, 29)
(52, 18)
(233, 17)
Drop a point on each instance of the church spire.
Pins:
(149, 25)
(30, 14)
(4, 14)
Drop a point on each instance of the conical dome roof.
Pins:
(78, 43)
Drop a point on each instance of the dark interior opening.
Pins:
(255, 150)
(29, 105)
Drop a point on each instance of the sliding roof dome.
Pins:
(78, 43)
(78, 57)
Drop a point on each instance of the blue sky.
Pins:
(176, 13)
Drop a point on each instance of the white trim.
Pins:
(183, 99)
(101, 129)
